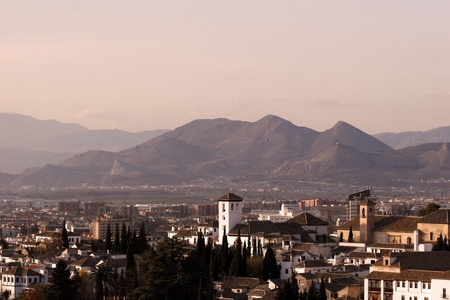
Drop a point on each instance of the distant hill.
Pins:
(28, 142)
(413, 138)
(270, 149)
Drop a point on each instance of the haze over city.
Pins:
(381, 66)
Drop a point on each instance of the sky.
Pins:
(382, 66)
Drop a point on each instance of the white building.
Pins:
(230, 213)
(19, 278)
(409, 276)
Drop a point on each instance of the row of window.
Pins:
(232, 206)
(413, 298)
(414, 284)
(24, 280)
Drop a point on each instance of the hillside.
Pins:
(28, 142)
(269, 149)
(414, 138)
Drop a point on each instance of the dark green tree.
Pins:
(350, 235)
(224, 256)
(108, 245)
(200, 243)
(270, 267)
(244, 260)
(214, 264)
(171, 272)
(65, 235)
(123, 239)
(289, 290)
(236, 263)
(322, 290)
(93, 245)
(311, 295)
(142, 240)
(102, 277)
(440, 245)
(62, 287)
(4, 244)
(431, 207)
(116, 244)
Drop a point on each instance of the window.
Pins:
(444, 293)
(403, 297)
(431, 236)
(223, 207)
(286, 271)
(232, 206)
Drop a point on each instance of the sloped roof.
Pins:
(438, 260)
(88, 261)
(315, 263)
(230, 197)
(307, 219)
(254, 227)
(249, 282)
(441, 216)
(385, 223)
(416, 275)
(19, 270)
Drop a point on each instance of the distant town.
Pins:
(362, 245)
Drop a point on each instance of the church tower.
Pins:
(366, 220)
(230, 213)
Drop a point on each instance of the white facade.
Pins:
(230, 213)
(407, 289)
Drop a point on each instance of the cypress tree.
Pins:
(123, 239)
(322, 290)
(65, 236)
(142, 240)
(270, 268)
(108, 237)
(236, 263)
(214, 263)
(224, 260)
(200, 243)
(350, 235)
(94, 245)
(244, 260)
(116, 245)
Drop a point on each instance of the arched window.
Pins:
(363, 212)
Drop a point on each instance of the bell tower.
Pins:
(366, 219)
(230, 213)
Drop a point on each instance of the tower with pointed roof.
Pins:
(230, 213)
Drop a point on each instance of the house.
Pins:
(393, 233)
(312, 266)
(19, 278)
(409, 275)
(244, 288)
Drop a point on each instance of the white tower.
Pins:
(230, 213)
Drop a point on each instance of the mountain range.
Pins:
(27, 142)
(269, 149)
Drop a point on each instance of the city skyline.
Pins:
(142, 66)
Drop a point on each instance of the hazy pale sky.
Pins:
(140, 65)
